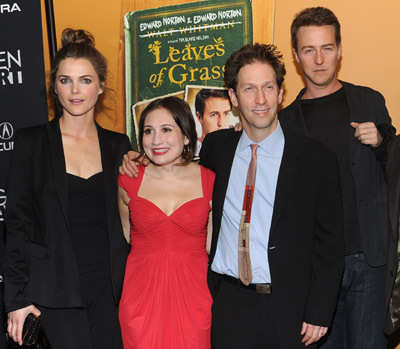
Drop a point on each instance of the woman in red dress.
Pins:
(165, 215)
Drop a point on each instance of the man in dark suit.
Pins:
(296, 242)
(354, 123)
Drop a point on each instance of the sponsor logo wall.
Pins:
(23, 100)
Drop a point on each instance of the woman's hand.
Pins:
(16, 321)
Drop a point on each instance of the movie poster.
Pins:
(170, 48)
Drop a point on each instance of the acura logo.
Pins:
(6, 130)
(3, 199)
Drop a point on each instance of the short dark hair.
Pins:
(206, 93)
(314, 16)
(181, 113)
(77, 44)
(253, 53)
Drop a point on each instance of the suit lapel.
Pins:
(295, 118)
(290, 167)
(58, 165)
(354, 115)
(107, 162)
(222, 168)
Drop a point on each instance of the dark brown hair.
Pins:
(314, 16)
(78, 44)
(253, 53)
(182, 115)
(206, 93)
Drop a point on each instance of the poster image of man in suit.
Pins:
(213, 111)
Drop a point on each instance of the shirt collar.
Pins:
(272, 145)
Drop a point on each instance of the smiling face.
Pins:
(217, 112)
(77, 86)
(257, 96)
(318, 55)
(163, 140)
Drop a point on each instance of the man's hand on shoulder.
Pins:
(238, 126)
(367, 133)
(312, 333)
(130, 163)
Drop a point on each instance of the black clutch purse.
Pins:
(31, 329)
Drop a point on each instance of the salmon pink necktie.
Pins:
(245, 272)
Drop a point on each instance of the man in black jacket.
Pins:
(353, 122)
(295, 237)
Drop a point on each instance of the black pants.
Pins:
(94, 327)
(242, 319)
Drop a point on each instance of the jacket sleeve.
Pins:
(18, 222)
(121, 145)
(384, 125)
(125, 145)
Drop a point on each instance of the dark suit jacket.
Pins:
(39, 264)
(366, 163)
(392, 277)
(306, 236)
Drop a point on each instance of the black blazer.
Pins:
(366, 164)
(306, 237)
(393, 185)
(39, 264)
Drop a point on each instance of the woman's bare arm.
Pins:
(123, 202)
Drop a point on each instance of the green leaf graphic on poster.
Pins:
(170, 47)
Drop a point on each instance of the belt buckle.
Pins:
(263, 288)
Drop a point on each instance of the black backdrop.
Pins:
(23, 100)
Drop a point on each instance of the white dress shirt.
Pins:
(269, 157)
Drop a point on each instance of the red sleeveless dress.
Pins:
(165, 301)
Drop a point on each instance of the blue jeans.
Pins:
(359, 318)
